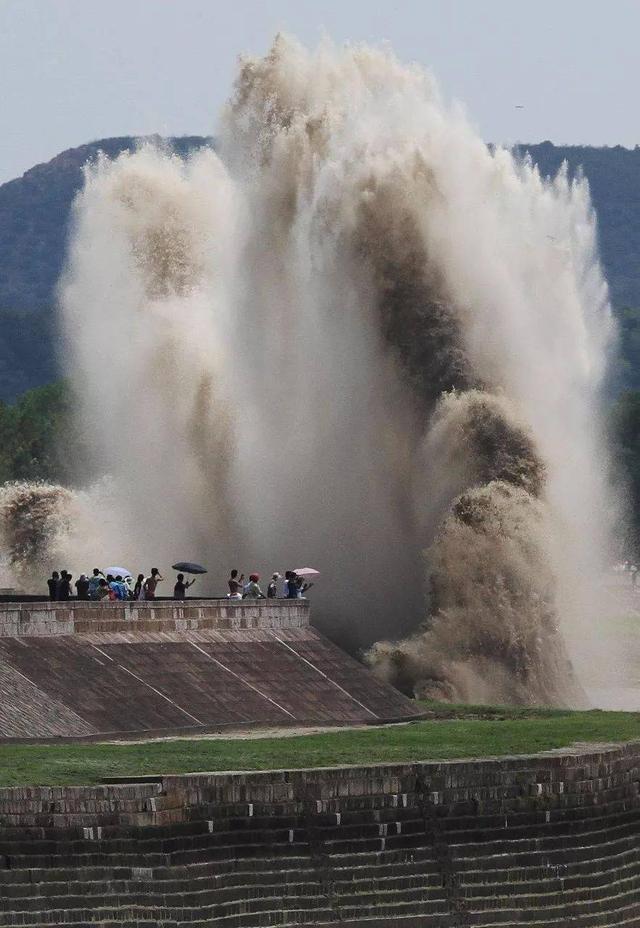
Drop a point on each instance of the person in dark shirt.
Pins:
(52, 583)
(292, 585)
(64, 587)
(82, 587)
(272, 589)
(180, 589)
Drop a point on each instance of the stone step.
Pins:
(336, 833)
(606, 873)
(225, 852)
(246, 920)
(208, 851)
(404, 896)
(399, 910)
(148, 881)
(545, 839)
(515, 818)
(364, 884)
(165, 880)
(301, 905)
(198, 825)
(266, 919)
(553, 828)
(148, 843)
(549, 896)
(624, 917)
(184, 894)
(551, 844)
(423, 868)
(384, 844)
(558, 803)
(482, 798)
(558, 792)
(239, 867)
(616, 912)
(423, 855)
(564, 856)
(212, 869)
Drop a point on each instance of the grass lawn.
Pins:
(453, 732)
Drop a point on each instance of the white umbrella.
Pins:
(306, 572)
(118, 572)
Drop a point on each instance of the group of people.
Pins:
(293, 586)
(98, 586)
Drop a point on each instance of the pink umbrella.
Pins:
(307, 572)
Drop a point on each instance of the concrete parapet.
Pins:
(46, 619)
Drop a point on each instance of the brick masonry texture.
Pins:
(548, 840)
(44, 619)
(86, 669)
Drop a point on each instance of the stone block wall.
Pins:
(547, 840)
(563, 778)
(45, 619)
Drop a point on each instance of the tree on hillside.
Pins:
(40, 438)
(625, 441)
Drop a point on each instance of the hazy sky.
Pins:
(76, 70)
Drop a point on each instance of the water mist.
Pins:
(353, 336)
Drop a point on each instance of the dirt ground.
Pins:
(251, 733)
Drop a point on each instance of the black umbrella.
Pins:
(188, 568)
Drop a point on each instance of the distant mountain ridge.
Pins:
(614, 179)
(34, 224)
(34, 217)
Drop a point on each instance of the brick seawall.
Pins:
(549, 840)
(561, 778)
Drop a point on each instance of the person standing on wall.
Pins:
(252, 589)
(272, 589)
(292, 585)
(82, 587)
(151, 583)
(52, 583)
(102, 591)
(138, 592)
(181, 587)
(94, 583)
(235, 585)
(63, 593)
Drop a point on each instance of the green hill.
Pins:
(34, 215)
(614, 179)
(34, 218)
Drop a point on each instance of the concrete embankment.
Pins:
(86, 670)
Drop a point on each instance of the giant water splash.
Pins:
(353, 336)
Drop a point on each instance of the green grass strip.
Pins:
(455, 732)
